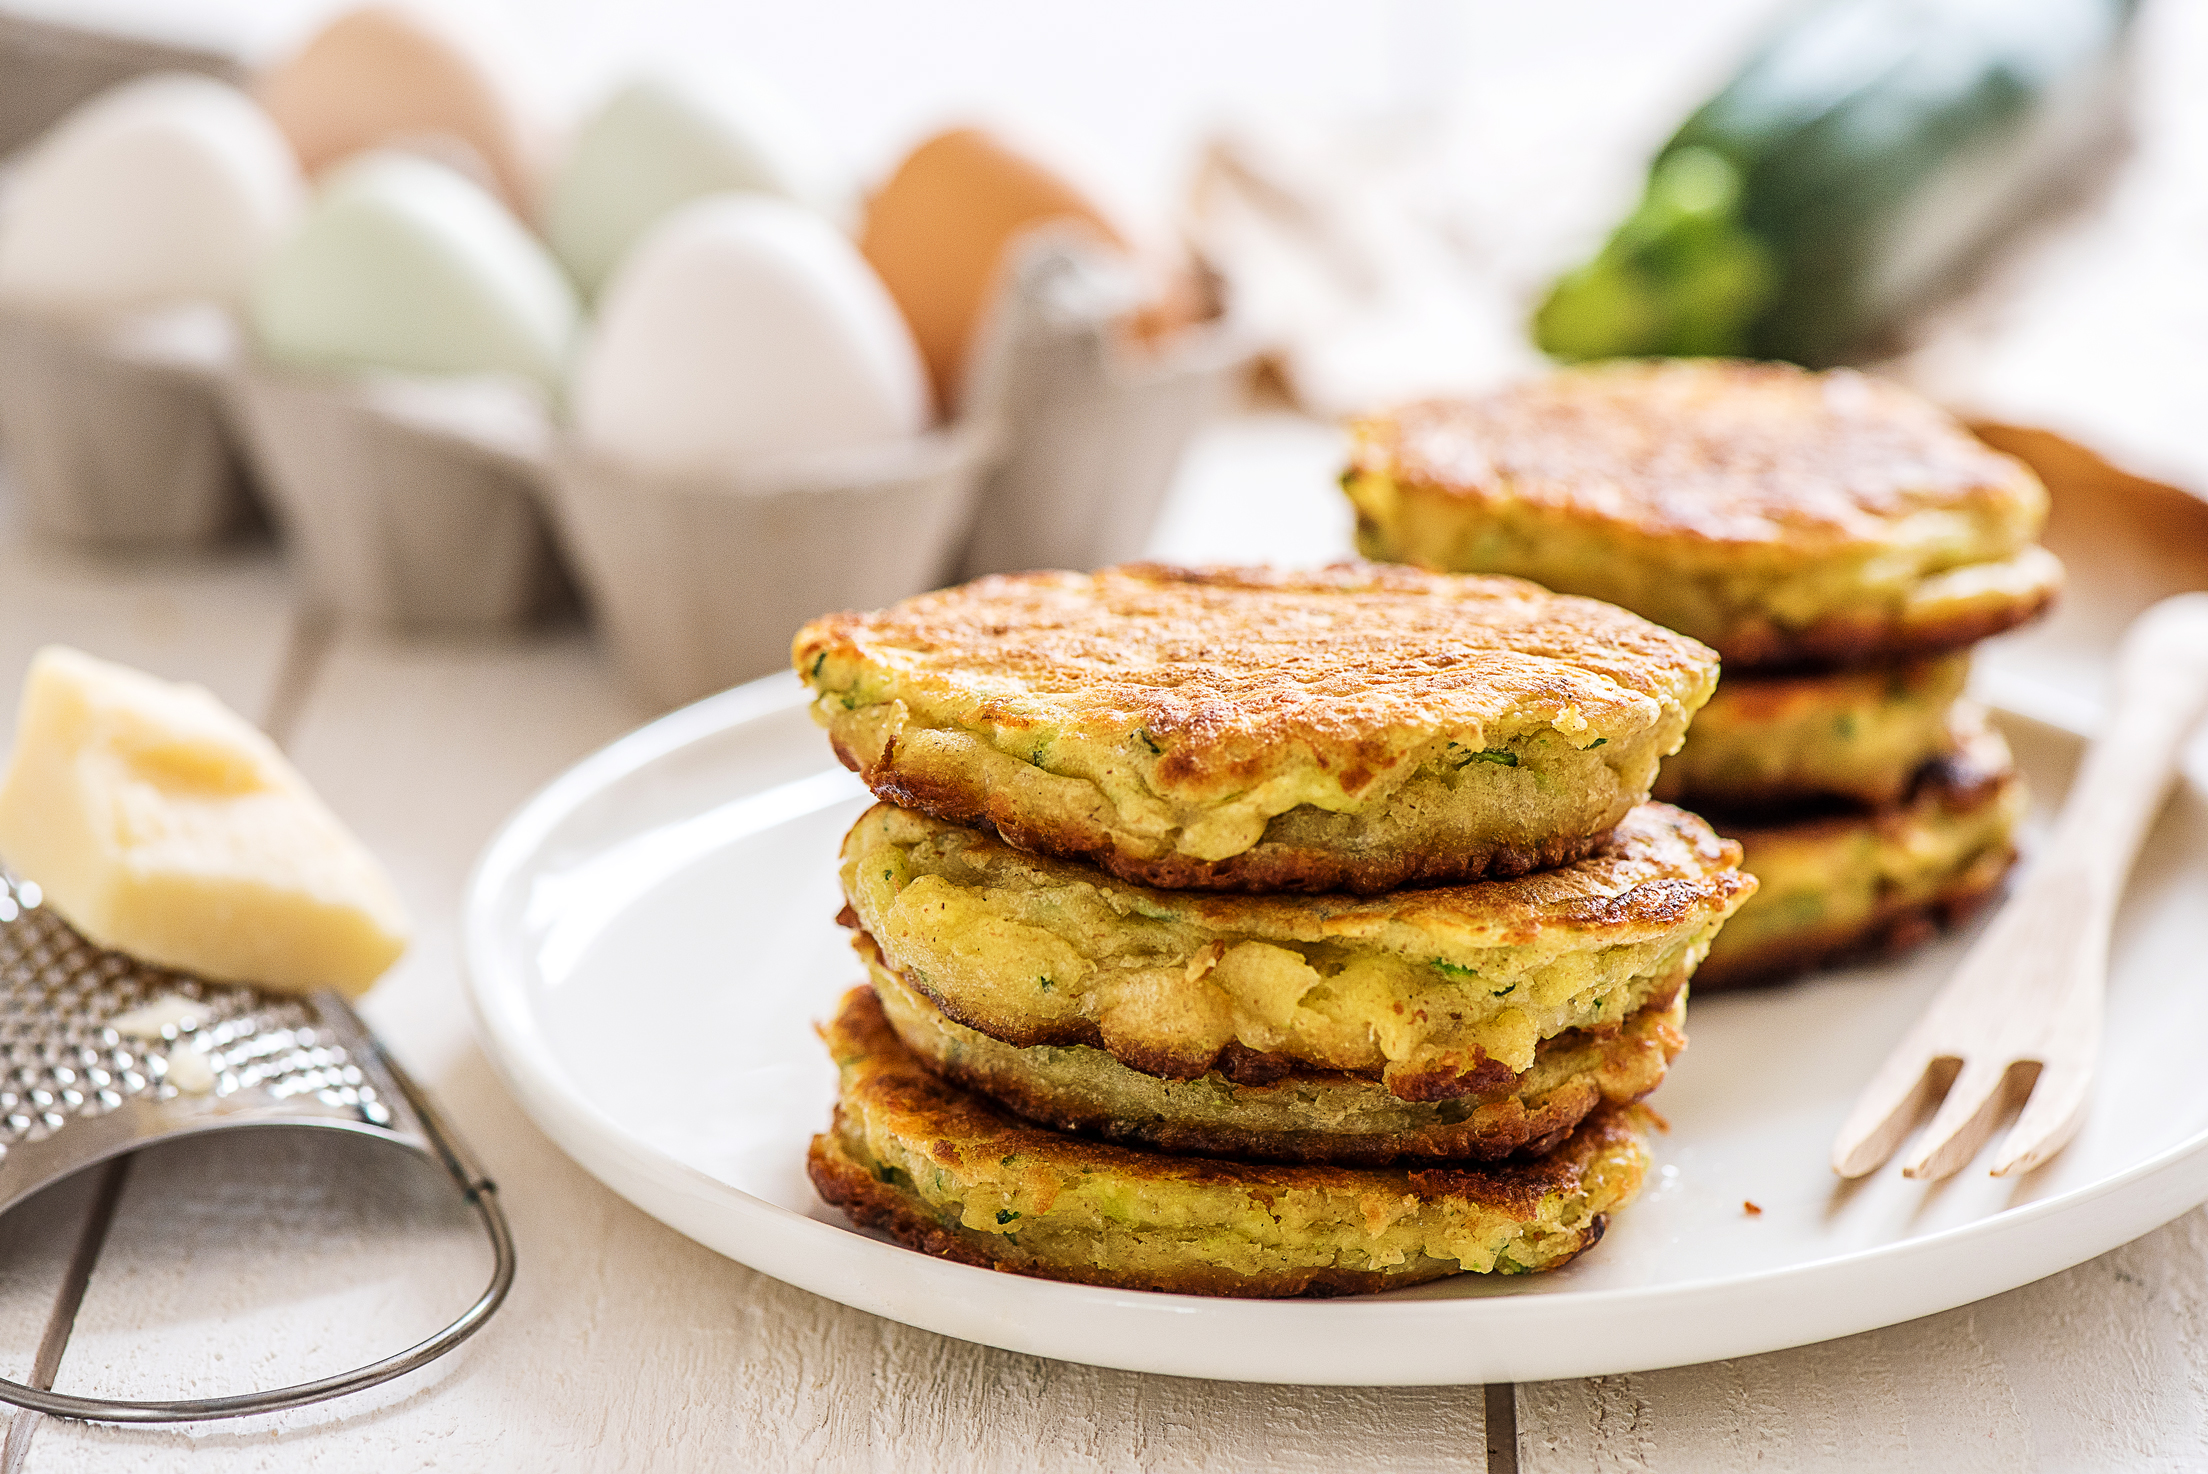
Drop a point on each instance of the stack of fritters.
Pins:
(1244, 932)
(1839, 541)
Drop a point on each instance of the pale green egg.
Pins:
(659, 143)
(403, 264)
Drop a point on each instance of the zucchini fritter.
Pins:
(1356, 728)
(1440, 993)
(1767, 741)
(1301, 1115)
(1859, 884)
(943, 1171)
(1784, 517)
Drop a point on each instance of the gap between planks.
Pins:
(1502, 1428)
(62, 1319)
(306, 652)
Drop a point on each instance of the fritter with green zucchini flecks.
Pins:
(1298, 1115)
(1356, 728)
(1857, 884)
(1441, 993)
(1784, 517)
(1764, 742)
(944, 1171)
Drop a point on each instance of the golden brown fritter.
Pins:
(1781, 516)
(1291, 1114)
(945, 1172)
(1356, 728)
(1767, 742)
(1441, 993)
(1874, 883)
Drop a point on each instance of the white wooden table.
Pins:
(271, 1258)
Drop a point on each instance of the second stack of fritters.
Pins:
(1248, 932)
(1841, 543)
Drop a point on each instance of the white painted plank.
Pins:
(2098, 1368)
(35, 1243)
(221, 618)
(424, 748)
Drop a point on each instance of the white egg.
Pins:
(745, 327)
(169, 188)
(661, 142)
(407, 265)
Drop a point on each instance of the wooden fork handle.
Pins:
(2046, 953)
(2068, 898)
(2061, 919)
(2161, 693)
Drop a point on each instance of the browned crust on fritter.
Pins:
(1845, 641)
(878, 1205)
(1504, 1125)
(1712, 451)
(1227, 674)
(1974, 770)
(1480, 1075)
(1888, 933)
(1505, 1130)
(1721, 453)
(1760, 701)
(1226, 666)
(897, 1081)
(1975, 773)
(1546, 899)
(1705, 868)
(1267, 867)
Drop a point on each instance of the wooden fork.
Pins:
(2021, 1019)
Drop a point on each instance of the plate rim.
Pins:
(1498, 1338)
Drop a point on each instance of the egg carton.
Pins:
(410, 502)
(1095, 425)
(102, 1055)
(115, 427)
(445, 503)
(702, 581)
(1061, 458)
(48, 67)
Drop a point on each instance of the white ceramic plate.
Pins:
(650, 940)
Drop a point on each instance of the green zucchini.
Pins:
(1870, 151)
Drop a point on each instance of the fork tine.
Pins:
(2049, 1119)
(1907, 1084)
(1974, 1103)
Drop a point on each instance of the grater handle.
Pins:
(481, 1194)
(450, 1149)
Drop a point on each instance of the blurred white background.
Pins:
(1135, 85)
(1465, 149)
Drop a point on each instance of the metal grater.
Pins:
(75, 1092)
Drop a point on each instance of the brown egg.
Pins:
(939, 230)
(382, 76)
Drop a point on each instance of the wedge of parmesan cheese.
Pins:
(161, 824)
